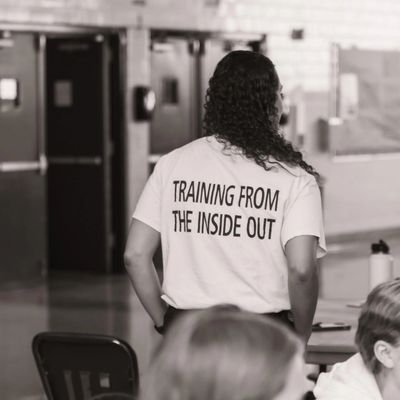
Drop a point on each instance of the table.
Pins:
(327, 348)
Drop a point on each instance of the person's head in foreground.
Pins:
(375, 372)
(243, 108)
(378, 335)
(226, 354)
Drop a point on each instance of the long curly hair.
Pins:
(241, 111)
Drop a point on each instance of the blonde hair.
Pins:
(379, 320)
(222, 354)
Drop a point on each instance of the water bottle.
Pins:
(380, 264)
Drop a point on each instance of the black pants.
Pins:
(172, 313)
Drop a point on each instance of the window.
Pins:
(170, 94)
(9, 94)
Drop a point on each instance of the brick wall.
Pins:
(364, 23)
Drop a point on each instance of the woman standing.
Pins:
(238, 211)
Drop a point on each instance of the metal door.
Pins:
(180, 69)
(22, 160)
(173, 80)
(79, 153)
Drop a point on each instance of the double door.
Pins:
(79, 153)
(181, 66)
(61, 155)
(23, 227)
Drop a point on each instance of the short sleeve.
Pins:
(148, 208)
(303, 213)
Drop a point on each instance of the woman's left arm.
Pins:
(303, 281)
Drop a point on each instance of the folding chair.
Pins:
(76, 366)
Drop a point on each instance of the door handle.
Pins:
(22, 166)
(75, 161)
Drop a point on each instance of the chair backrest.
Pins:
(76, 366)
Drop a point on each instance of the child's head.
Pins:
(227, 354)
(378, 333)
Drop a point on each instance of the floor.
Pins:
(70, 303)
(106, 304)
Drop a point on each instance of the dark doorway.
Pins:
(85, 122)
(22, 160)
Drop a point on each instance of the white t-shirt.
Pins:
(224, 223)
(349, 380)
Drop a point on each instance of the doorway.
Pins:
(181, 64)
(85, 147)
(62, 164)
(22, 160)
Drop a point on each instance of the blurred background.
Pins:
(93, 92)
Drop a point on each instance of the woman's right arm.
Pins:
(141, 245)
(304, 241)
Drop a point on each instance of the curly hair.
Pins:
(240, 110)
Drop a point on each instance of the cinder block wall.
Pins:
(359, 196)
(363, 23)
